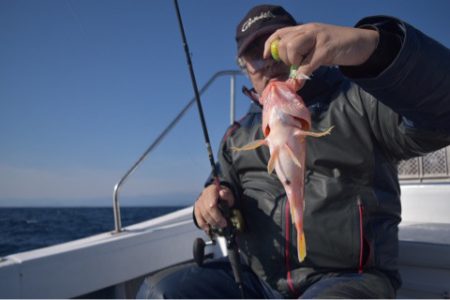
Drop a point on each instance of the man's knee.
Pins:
(166, 284)
(351, 286)
(214, 280)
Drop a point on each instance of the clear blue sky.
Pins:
(86, 86)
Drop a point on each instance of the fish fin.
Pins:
(314, 134)
(250, 146)
(301, 246)
(292, 155)
(272, 160)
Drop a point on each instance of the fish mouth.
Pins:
(280, 76)
(277, 77)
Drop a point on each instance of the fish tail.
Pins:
(301, 246)
(301, 242)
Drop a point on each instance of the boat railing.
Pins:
(232, 74)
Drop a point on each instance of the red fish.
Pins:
(286, 123)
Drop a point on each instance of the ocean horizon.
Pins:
(28, 228)
(173, 199)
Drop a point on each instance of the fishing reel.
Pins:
(235, 224)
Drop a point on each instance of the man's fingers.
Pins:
(294, 44)
(277, 35)
(226, 195)
(207, 212)
(210, 214)
(312, 62)
(201, 222)
(267, 53)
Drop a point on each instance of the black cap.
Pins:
(260, 20)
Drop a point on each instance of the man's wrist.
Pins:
(388, 47)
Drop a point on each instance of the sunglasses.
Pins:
(253, 65)
(251, 61)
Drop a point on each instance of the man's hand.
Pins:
(206, 208)
(310, 46)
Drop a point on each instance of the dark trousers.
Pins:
(215, 280)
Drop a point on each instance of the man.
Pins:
(388, 100)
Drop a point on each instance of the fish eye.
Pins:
(267, 130)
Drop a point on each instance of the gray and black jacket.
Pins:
(352, 194)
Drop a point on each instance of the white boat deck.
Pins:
(86, 265)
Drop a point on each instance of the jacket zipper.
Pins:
(361, 235)
(287, 219)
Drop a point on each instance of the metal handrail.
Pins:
(117, 187)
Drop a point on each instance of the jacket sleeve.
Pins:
(416, 84)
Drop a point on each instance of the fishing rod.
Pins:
(196, 93)
(229, 231)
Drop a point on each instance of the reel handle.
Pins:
(198, 250)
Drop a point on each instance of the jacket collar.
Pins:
(323, 82)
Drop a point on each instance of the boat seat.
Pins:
(424, 260)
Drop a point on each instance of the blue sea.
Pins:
(23, 229)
